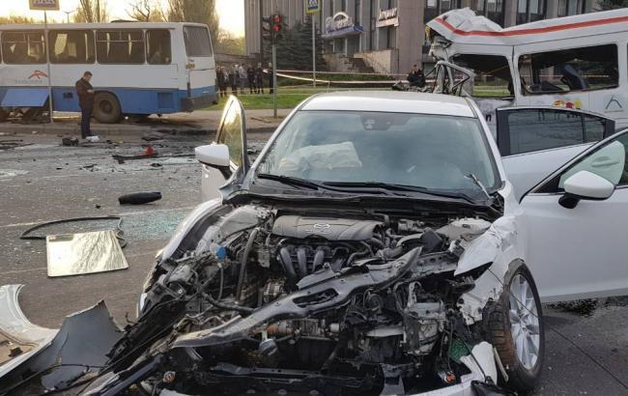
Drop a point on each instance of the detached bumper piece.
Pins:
(60, 356)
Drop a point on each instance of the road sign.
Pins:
(44, 5)
(313, 6)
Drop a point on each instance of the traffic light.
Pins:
(266, 28)
(277, 26)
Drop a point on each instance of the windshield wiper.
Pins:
(401, 188)
(293, 181)
(478, 183)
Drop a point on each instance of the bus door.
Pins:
(200, 67)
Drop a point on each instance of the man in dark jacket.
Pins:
(250, 75)
(259, 78)
(416, 78)
(85, 93)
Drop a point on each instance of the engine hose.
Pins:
(245, 259)
(223, 305)
(286, 263)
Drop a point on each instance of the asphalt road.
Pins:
(43, 182)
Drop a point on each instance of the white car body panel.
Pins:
(529, 169)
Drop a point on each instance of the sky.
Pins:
(231, 12)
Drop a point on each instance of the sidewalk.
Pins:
(201, 122)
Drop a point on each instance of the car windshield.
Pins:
(434, 152)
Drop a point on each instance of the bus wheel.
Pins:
(4, 115)
(107, 108)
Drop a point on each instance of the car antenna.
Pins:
(478, 183)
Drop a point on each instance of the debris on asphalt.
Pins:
(139, 198)
(149, 152)
(69, 141)
(12, 143)
(152, 136)
(84, 253)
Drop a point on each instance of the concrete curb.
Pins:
(7, 129)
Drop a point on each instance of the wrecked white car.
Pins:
(374, 247)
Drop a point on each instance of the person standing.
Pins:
(241, 77)
(271, 83)
(259, 78)
(233, 80)
(221, 82)
(250, 75)
(85, 93)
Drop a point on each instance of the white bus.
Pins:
(578, 62)
(138, 68)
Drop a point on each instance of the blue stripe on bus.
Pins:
(132, 101)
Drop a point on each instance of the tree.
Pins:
(91, 11)
(297, 43)
(228, 43)
(146, 11)
(201, 11)
(611, 4)
(16, 19)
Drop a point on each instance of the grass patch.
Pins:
(287, 98)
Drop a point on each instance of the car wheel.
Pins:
(107, 108)
(515, 328)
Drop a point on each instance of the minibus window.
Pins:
(493, 78)
(576, 69)
(24, 48)
(72, 46)
(197, 42)
(120, 46)
(159, 48)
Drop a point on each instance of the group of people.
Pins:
(240, 76)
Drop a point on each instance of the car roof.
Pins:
(392, 102)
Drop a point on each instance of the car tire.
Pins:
(517, 331)
(107, 108)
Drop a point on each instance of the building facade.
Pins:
(388, 36)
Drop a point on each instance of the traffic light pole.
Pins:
(313, 50)
(274, 80)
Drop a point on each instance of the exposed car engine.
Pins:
(356, 305)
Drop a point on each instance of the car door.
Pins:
(534, 141)
(232, 133)
(580, 252)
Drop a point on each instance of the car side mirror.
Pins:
(214, 155)
(585, 185)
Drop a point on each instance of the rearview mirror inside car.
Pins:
(214, 155)
(585, 185)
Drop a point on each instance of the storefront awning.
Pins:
(25, 97)
(344, 32)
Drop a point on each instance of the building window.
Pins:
(158, 47)
(22, 48)
(576, 69)
(492, 9)
(357, 12)
(343, 6)
(570, 7)
(391, 37)
(120, 46)
(530, 11)
(72, 46)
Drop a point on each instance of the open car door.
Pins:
(535, 141)
(227, 156)
(575, 222)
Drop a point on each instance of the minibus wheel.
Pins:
(4, 114)
(107, 108)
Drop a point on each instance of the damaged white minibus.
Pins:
(548, 89)
(578, 62)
